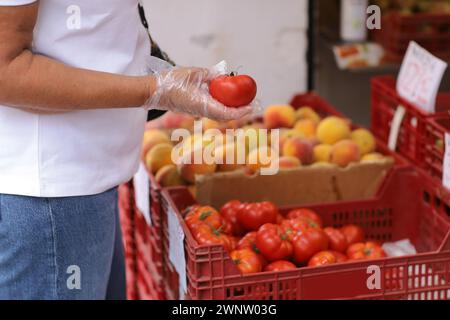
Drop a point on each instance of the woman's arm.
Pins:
(30, 81)
(36, 83)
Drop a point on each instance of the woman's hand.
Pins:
(185, 90)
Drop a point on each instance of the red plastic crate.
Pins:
(407, 207)
(432, 31)
(411, 138)
(435, 130)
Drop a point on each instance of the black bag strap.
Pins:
(156, 52)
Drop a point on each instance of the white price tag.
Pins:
(446, 165)
(176, 250)
(142, 192)
(420, 77)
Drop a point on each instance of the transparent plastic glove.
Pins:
(185, 90)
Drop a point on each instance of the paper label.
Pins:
(142, 192)
(446, 165)
(176, 250)
(420, 77)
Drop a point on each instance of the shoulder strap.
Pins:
(156, 52)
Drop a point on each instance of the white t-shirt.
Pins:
(82, 152)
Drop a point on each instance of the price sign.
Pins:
(420, 77)
(446, 166)
(176, 250)
(142, 192)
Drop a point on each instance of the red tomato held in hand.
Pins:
(353, 233)
(338, 241)
(322, 258)
(247, 261)
(233, 91)
(251, 216)
(280, 265)
(365, 251)
(229, 211)
(306, 214)
(273, 243)
(308, 243)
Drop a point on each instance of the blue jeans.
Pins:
(61, 248)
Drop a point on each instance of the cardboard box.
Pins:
(300, 186)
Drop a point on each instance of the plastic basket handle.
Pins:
(395, 127)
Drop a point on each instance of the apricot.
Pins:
(168, 176)
(322, 153)
(345, 152)
(332, 130)
(306, 127)
(230, 157)
(373, 157)
(279, 116)
(152, 138)
(365, 141)
(254, 137)
(300, 148)
(189, 169)
(289, 162)
(259, 158)
(158, 157)
(307, 113)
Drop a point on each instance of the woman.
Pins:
(73, 105)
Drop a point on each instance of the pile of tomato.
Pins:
(260, 239)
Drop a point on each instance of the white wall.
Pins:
(266, 37)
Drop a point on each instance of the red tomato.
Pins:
(230, 211)
(354, 234)
(204, 215)
(298, 225)
(280, 265)
(308, 243)
(234, 90)
(338, 241)
(365, 251)
(207, 235)
(273, 243)
(247, 261)
(280, 218)
(249, 242)
(306, 214)
(322, 258)
(340, 257)
(251, 216)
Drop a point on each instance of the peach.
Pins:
(289, 162)
(279, 116)
(307, 113)
(286, 134)
(210, 124)
(152, 138)
(174, 120)
(168, 176)
(365, 140)
(256, 132)
(300, 148)
(306, 127)
(332, 130)
(345, 152)
(229, 157)
(259, 158)
(188, 169)
(158, 157)
(373, 157)
(322, 153)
